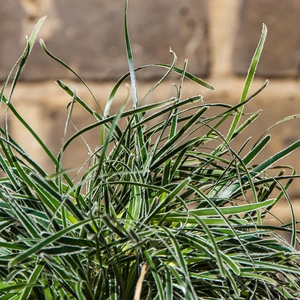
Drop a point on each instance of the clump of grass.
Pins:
(161, 213)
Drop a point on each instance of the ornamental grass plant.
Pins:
(162, 212)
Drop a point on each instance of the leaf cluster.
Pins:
(162, 212)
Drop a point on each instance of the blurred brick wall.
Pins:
(218, 37)
(88, 35)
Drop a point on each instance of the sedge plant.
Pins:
(162, 212)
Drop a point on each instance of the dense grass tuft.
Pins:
(161, 213)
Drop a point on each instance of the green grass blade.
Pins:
(110, 119)
(39, 246)
(24, 219)
(130, 59)
(168, 199)
(180, 133)
(256, 150)
(11, 287)
(217, 252)
(42, 43)
(32, 280)
(155, 274)
(249, 79)
(38, 139)
(24, 57)
(107, 140)
(175, 69)
(260, 168)
(231, 210)
(281, 154)
(78, 99)
(189, 76)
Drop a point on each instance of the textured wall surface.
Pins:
(281, 56)
(218, 37)
(88, 35)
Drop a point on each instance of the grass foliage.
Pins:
(161, 213)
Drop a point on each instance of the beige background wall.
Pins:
(217, 36)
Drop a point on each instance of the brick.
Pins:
(281, 55)
(89, 36)
(10, 33)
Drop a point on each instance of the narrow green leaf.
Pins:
(130, 59)
(169, 286)
(258, 169)
(267, 163)
(249, 79)
(38, 139)
(25, 220)
(180, 133)
(155, 275)
(79, 288)
(63, 250)
(42, 43)
(217, 251)
(32, 280)
(168, 199)
(256, 149)
(116, 229)
(28, 48)
(12, 287)
(230, 210)
(110, 119)
(39, 246)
